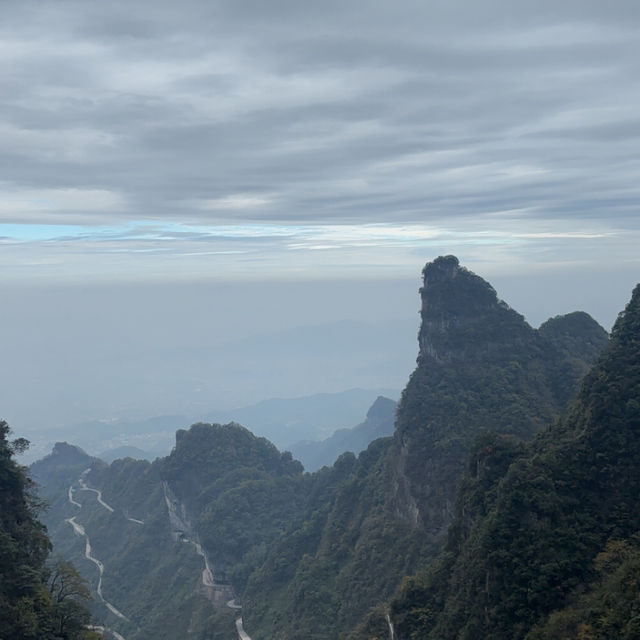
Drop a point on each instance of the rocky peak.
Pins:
(382, 409)
(440, 270)
(462, 317)
(66, 453)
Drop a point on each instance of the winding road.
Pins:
(115, 634)
(83, 487)
(241, 632)
(79, 530)
(181, 529)
(71, 500)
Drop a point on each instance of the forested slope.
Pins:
(222, 495)
(480, 366)
(227, 516)
(36, 601)
(545, 541)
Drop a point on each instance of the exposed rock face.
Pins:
(480, 367)
(554, 549)
(462, 317)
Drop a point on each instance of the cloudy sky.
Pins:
(286, 142)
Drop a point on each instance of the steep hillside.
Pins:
(172, 547)
(36, 601)
(480, 366)
(60, 468)
(171, 542)
(551, 527)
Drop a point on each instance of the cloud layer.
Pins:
(153, 134)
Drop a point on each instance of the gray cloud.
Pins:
(178, 174)
(425, 113)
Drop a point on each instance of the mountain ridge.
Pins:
(555, 523)
(480, 365)
(311, 554)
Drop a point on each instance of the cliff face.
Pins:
(312, 553)
(480, 367)
(554, 550)
(462, 317)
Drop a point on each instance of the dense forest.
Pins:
(484, 514)
(480, 366)
(39, 598)
(545, 540)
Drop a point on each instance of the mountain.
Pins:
(282, 420)
(285, 421)
(480, 366)
(153, 435)
(165, 371)
(545, 543)
(226, 520)
(377, 424)
(171, 542)
(59, 468)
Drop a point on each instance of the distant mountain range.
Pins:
(283, 420)
(130, 382)
(378, 424)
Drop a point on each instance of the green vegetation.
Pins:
(238, 492)
(480, 368)
(34, 602)
(545, 546)
(610, 607)
(346, 553)
(485, 521)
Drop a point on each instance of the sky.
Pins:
(198, 155)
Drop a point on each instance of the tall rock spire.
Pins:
(462, 317)
(481, 367)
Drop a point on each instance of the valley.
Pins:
(319, 320)
(343, 551)
(181, 530)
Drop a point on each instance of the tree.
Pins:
(69, 595)
(28, 609)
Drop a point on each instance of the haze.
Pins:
(205, 204)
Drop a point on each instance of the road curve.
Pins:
(115, 634)
(79, 530)
(71, 500)
(242, 634)
(181, 529)
(83, 487)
